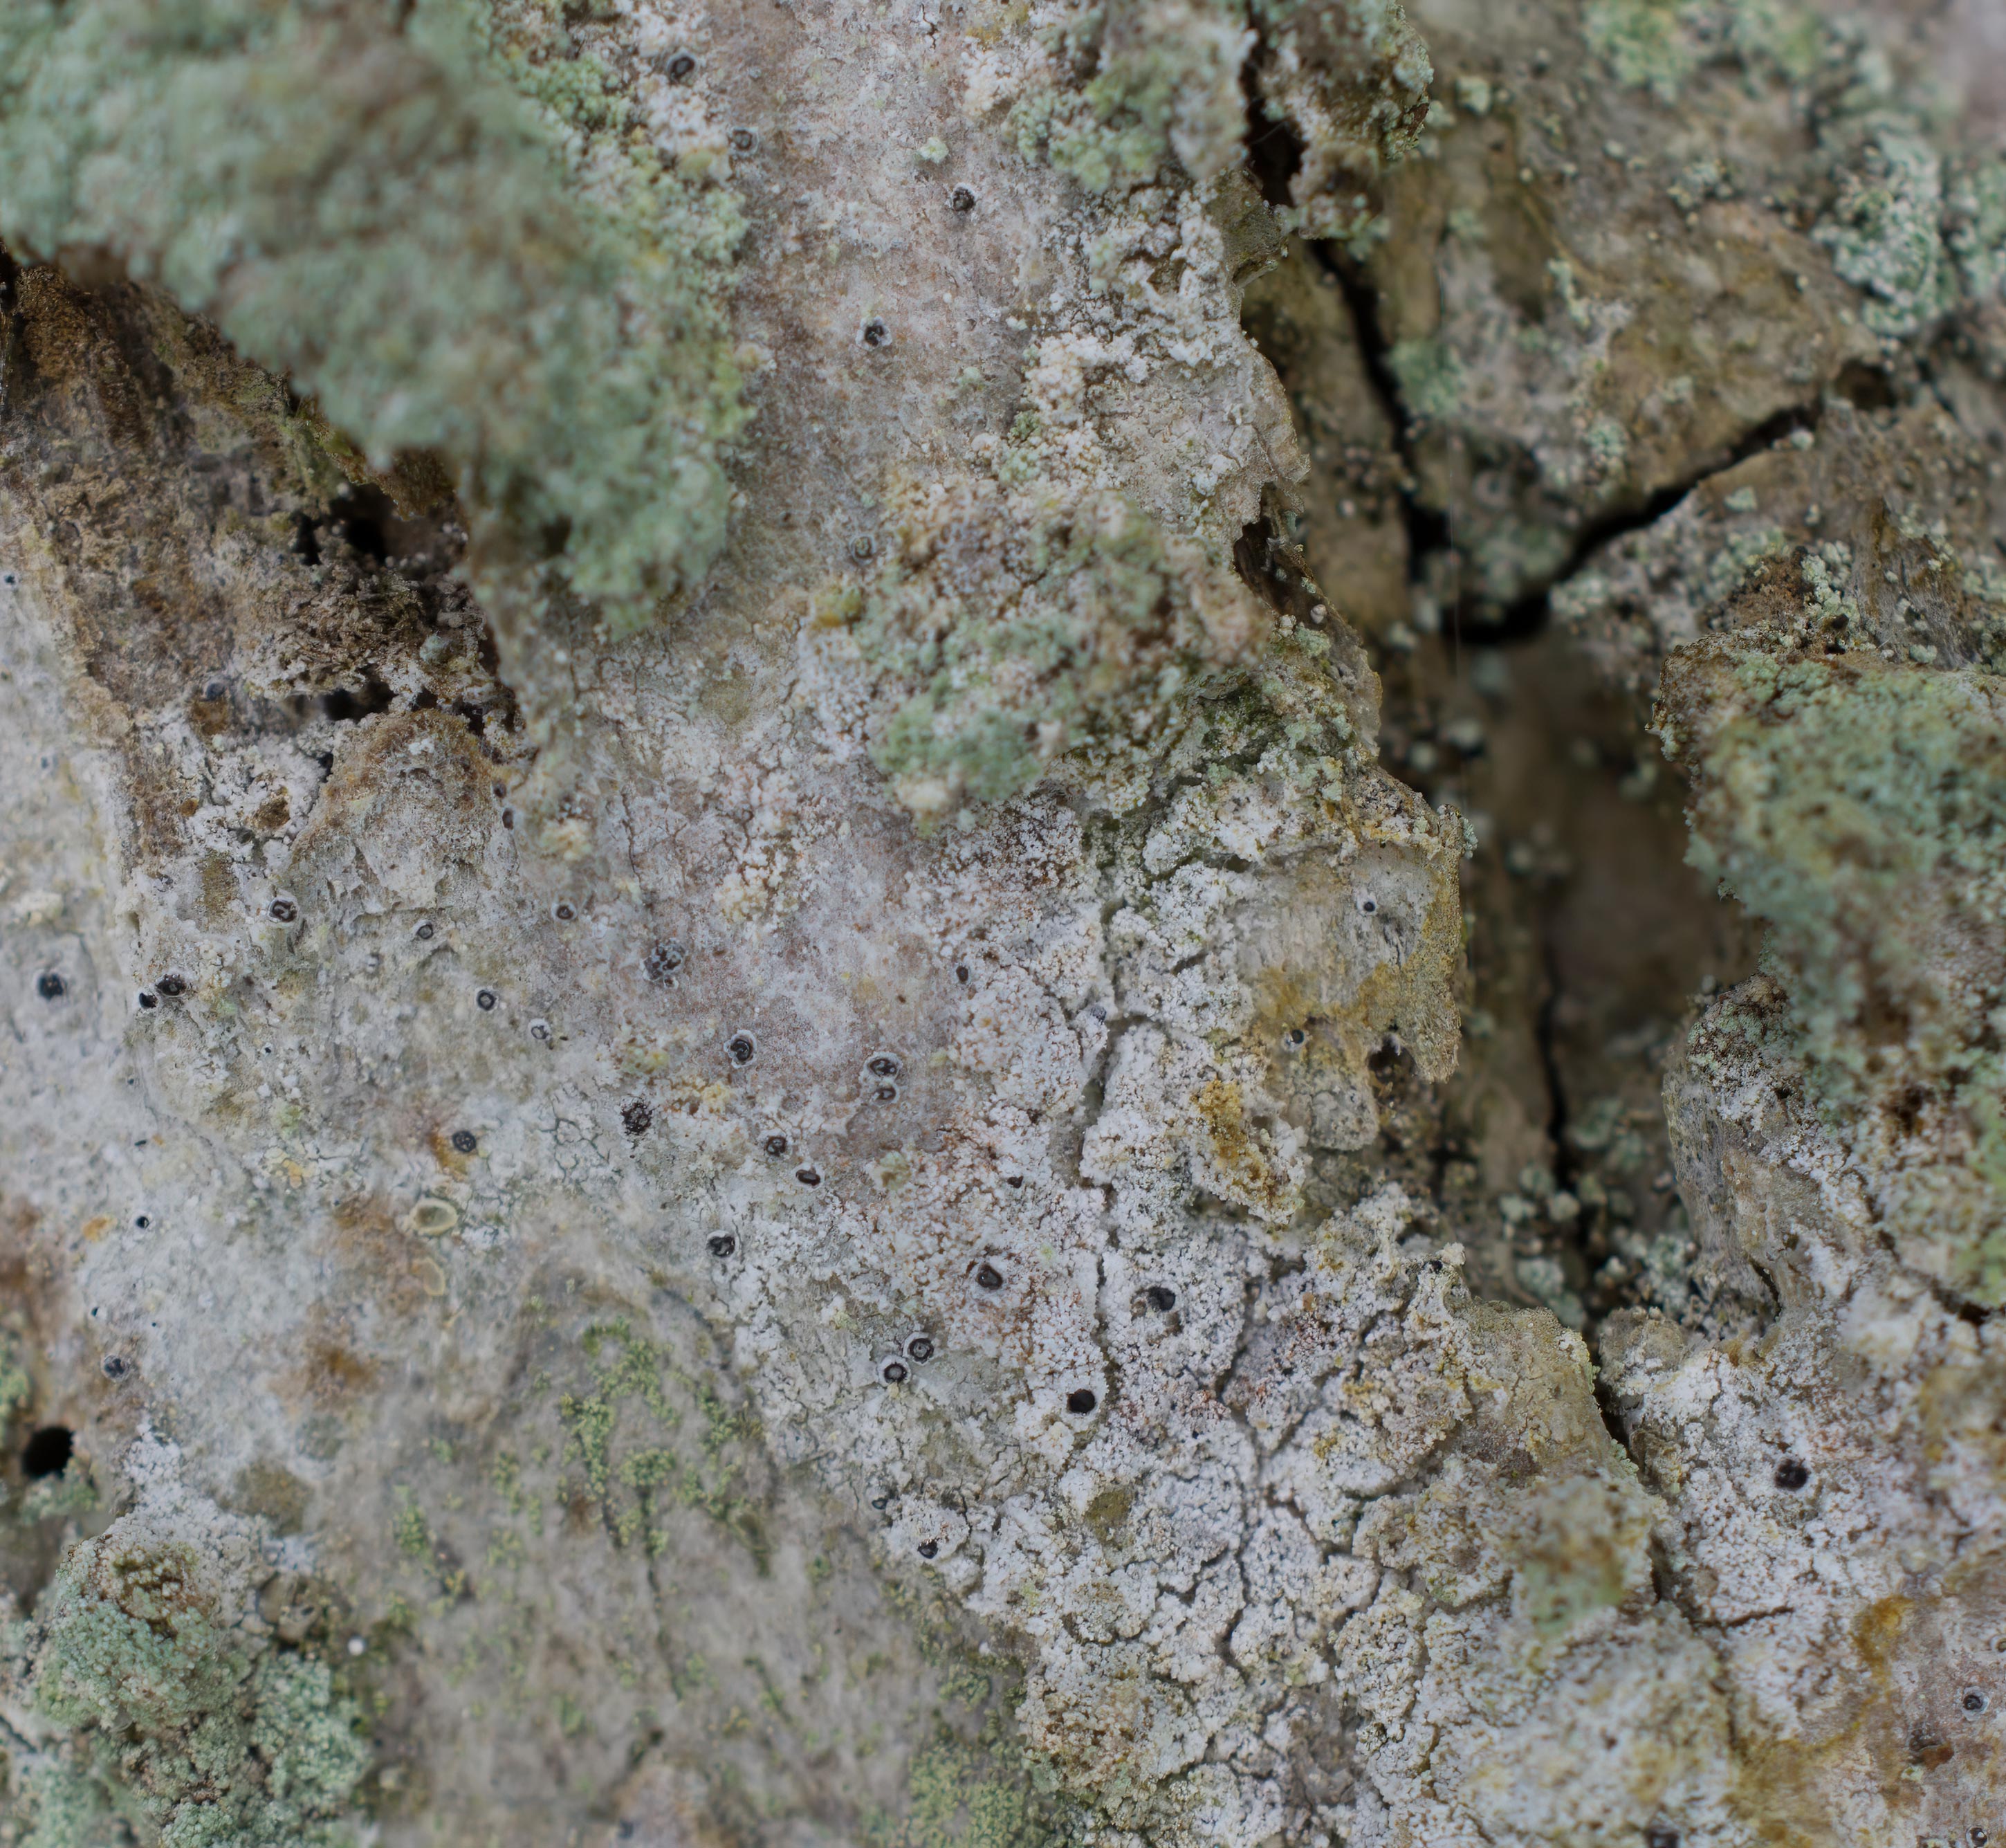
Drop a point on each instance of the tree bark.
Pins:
(952, 924)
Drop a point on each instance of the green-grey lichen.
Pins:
(1431, 378)
(963, 1795)
(164, 1703)
(1886, 231)
(1661, 45)
(1009, 624)
(356, 194)
(1165, 82)
(1350, 78)
(17, 1389)
(71, 1490)
(1161, 83)
(1858, 807)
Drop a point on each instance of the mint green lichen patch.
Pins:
(17, 1389)
(1886, 232)
(1165, 83)
(1430, 379)
(181, 1717)
(1130, 91)
(72, 1490)
(1661, 45)
(1010, 625)
(135, 1638)
(363, 200)
(1858, 808)
(961, 1796)
(1350, 78)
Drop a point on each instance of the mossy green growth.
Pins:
(356, 194)
(182, 1719)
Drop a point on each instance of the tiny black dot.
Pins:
(1792, 1475)
(1013, 1180)
(664, 960)
(961, 972)
(540, 1029)
(148, 998)
(171, 985)
(1297, 1036)
(637, 1118)
(921, 1347)
(723, 1244)
(284, 910)
(876, 333)
(1658, 1835)
(466, 1141)
(681, 65)
(881, 1502)
(115, 1366)
(1978, 1835)
(141, 1221)
(883, 1065)
(929, 1548)
(509, 817)
(485, 1000)
(989, 1277)
(893, 1373)
(564, 911)
(961, 199)
(424, 933)
(48, 1452)
(741, 1048)
(743, 141)
(776, 1144)
(50, 985)
(1974, 1701)
(807, 1176)
(1161, 1298)
(886, 1093)
(1081, 1401)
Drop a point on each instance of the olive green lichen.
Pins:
(178, 1714)
(356, 194)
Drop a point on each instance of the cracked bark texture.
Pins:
(1238, 1082)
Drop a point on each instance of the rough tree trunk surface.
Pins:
(942, 925)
